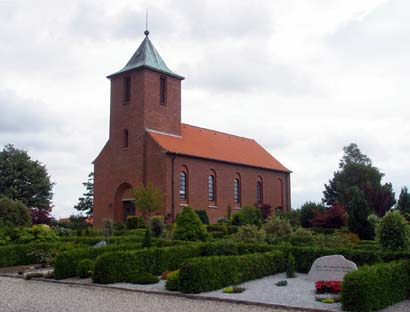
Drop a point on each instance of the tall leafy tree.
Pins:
(85, 203)
(356, 171)
(24, 179)
(359, 211)
(403, 204)
(148, 199)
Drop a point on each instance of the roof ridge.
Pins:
(233, 135)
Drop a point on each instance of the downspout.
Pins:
(174, 155)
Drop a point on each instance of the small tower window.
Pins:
(163, 90)
(125, 139)
(127, 89)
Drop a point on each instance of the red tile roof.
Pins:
(210, 144)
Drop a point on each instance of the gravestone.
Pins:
(330, 268)
(100, 244)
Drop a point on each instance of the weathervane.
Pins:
(146, 32)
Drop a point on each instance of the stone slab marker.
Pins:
(330, 268)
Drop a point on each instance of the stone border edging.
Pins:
(172, 294)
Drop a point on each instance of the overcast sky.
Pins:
(302, 78)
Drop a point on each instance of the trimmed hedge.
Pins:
(117, 266)
(211, 273)
(372, 288)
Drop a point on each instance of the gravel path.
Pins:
(32, 296)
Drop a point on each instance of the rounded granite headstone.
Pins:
(330, 268)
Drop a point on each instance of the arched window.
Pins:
(211, 188)
(125, 139)
(259, 191)
(182, 185)
(237, 190)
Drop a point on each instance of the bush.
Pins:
(172, 282)
(290, 266)
(37, 233)
(247, 215)
(135, 222)
(189, 227)
(375, 287)
(143, 278)
(393, 232)
(301, 237)
(156, 225)
(277, 230)
(146, 243)
(108, 227)
(211, 273)
(308, 212)
(249, 234)
(85, 268)
(203, 216)
(14, 211)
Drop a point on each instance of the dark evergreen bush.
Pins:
(290, 266)
(189, 227)
(172, 282)
(135, 222)
(203, 216)
(156, 226)
(142, 278)
(85, 268)
(146, 243)
(211, 273)
(375, 287)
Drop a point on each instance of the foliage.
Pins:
(85, 268)
(108, 227)
(146, 243)
(333, 217)
(63, 232)
(37, 233)
(359, 212)
(41, 216)
(308, 211)
(375, 287)
(172, 282)
(189, 227)
(148, 199)
(247, 215)
(78, 223)
(233, 290)
(393, 232)
(290, 266)
(203, 216)
(156, 226)
(277, 230)
(265, 209)
(135, 222)
(24, 179)
(302, 237)
(85, 203)
(293, 216)
(14, 212)
(143, 278)
(356, 170)
(403, 204)
(249, 234)
(211, 273)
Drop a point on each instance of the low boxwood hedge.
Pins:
(375, 287)
(210, 273)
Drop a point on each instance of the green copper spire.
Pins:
(147, 56)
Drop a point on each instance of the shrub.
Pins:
(290, 266)
(148, 199)
(37, 233)
(172, 282)
(156, 225)
(203, 216)
(301, 237)
(189, 227)
(249, 234)
(142, 278)
(146, 243)
(108, 227)
(85, 268)
(374, 287)
(14, 211)
(277, 230)
(135, 222)
(333, 217)
(211, 273)
(247, 215)
(308, 212)
(393, 232)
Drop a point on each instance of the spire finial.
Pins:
(146, 32)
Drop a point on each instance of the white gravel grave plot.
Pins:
(160, 286)
(298, 293)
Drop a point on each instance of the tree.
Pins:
(333, 217)
(356, 170)
(189, 227)
(148, 199)
(41, 216)
(24, 179)
(247, 215)
(85, 203)
(308, 211)
(393, 232)
(359, 211)
(14, 212)
(403, 203)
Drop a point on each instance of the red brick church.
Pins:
(194, 166)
